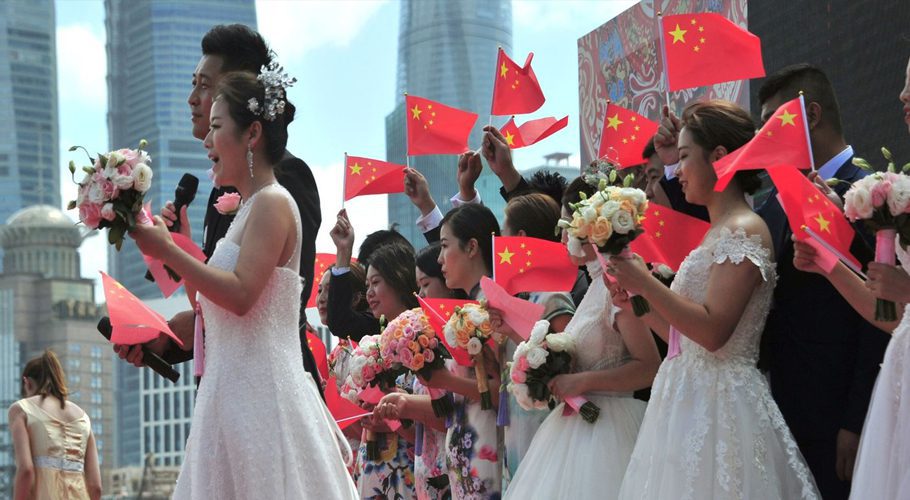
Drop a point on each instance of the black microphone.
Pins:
(151, 360)
(184, 194)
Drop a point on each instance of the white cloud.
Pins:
(565, 14)
(295, 27)
(367, 214)
(81, 65)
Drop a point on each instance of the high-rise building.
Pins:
(152, 50)
(28, 90)
(153, 47)
(44, 303)
(446, 52)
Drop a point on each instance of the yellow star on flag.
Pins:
(678, 35)
(416, 112)
(614, 122)
(355, 169)
(787, 118)
(510, 139)
(505, 256)
(822, 223)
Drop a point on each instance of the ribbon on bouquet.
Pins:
(573, 405)
(673, 347)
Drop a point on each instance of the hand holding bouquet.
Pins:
(410, 342)
(882, 201)
(368, 369)
(112, 191)
(469, 328)
(610, 219)
(536, 362)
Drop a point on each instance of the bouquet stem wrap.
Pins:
(483, 386)
(885, 310)
(588, 410)
(441, 401)
(640, 305)
(418, 439)
(372, 446)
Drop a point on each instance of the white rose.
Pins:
(96, 193)
(608, 209)
(142, 177)
(521, 350)
(588, 214)
(622, 222)
(858, 203)
(560, 342)
(636, 196)
(357, 365)
(107, 212)
(522, 395)
(449, 332)
(474, 346)
(113, 159)
(478, 316)
(899, 196)
(536, 357)
(539, 332)
(575, 247)
(122, 181)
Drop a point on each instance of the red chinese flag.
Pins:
(439, 311)
(132, 321)
(320, 266)
(437, 129)
(806, 206)
(783, 140)
(669, 236)
(516, 90)
(368, 176)
(524, 264)
(531, 132)
(319, 354)
(625, 134)
(340, 408)
(704, 49)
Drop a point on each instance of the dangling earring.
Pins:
(249, 158)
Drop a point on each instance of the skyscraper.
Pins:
(446, 52)
(28, 93)
(153, 47)
(152, 50)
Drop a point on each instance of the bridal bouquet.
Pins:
(610, 219)
(536, 362)
(410, 342)
(469, 328)
(339, 361)
(369, 369)
(112, 191)
(882, 201)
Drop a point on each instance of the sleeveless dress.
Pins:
(883, 462)
(570, 458)
(260, 429)
(712, 429)
(58, 453)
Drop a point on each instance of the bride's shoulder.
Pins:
(747, 226)
(271, 202)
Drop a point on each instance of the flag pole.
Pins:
(493, 249)
(344, 180)
(665, 80)
(833, 250)
(802, 106)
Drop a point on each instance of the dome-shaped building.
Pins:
(42, 240)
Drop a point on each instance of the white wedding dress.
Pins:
(883, 463)
(570, 458)
(260, 429)
(712, 430)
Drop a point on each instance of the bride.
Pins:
(711, 429)
(260, 429)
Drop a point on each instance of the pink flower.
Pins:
(880, 193)
(488, 453)
(428, 356)
(407, 357)
(369, 373)
(522, 364)
(519, 377)
(90, 214)
(131, 156)
(228, 203)
(107, 212)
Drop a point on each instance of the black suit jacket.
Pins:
(821, 355)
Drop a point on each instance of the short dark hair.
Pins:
(428, 260)
(395, 263)
(536, 214)
(649, 150)
(573, 192)
(236, 89)
(550, 183)
(378, 239)
(474, 221)
(812, 81)
(722, 123)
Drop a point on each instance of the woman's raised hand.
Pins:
(342, 235)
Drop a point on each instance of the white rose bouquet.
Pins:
(882, 201)
(469, 328)
(535, 363)
(112, 191)
(610, 219)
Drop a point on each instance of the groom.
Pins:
(228, 48)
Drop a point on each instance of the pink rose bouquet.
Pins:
(536, 362)
(882, 201)
(469, 328)
(410, 342)
(368, 369)
(112, 191)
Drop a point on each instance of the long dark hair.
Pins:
(47, 373)
(395, 263)
(477, 222)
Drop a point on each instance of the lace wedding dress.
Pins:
(712, 429)
(260, 429)
(883, 462)
(570, 458)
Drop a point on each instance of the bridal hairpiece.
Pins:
(275, 81)
(600, 169)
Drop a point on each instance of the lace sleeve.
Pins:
(738, 246)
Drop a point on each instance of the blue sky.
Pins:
(344, 53)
